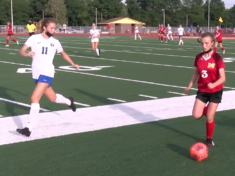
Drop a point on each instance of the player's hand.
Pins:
(31, 54)
(210, 86)
(76, 66)
(186, 90)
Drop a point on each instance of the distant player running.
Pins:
(94, 36)
(181, 34)
(218, 37)
(43, 48)
(162, 33)
(137, 32)
(169, 33)
(159, 34)
(10, 34)
(209, 71)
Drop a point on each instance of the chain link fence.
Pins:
(19, 29)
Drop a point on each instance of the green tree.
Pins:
(38, 8)
(57, 10)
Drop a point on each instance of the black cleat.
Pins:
(24, 131)
(210, 143)
(72, 106)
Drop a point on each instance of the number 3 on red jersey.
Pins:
(204, 74)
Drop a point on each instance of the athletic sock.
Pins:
(7, 41)
(210, 129)
(97, 52)
(172, 38)
(139, 37)
(60, 99)
(215, 49)
(14, 40)
(205, 111)
(34, 110)
(135, 36)
(222, 48)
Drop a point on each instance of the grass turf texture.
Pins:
(158, 148)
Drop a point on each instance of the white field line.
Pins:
(113, 99)
(21, 104)
(116, 78)
(147, 96)
(81, 104)
(12, 53)
(177, 93)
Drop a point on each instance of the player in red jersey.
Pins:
(218, 36)
(162, 33)
(159, 34)
(10, 34)
(209, 70)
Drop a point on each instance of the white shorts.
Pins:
(94, 40)
(137, 32)
(169, 32)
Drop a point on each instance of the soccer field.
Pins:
(132, 117)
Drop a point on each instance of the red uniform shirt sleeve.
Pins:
(220, 62)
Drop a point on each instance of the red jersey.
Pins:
(162, 30)
(219, 33)
(9, 30)
(208, 70)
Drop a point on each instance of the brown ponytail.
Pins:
(44, 23)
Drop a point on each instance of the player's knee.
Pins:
(197, 115)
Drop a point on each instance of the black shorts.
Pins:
(219, 41)
(9, 34)
(210, 97)
(31, 33)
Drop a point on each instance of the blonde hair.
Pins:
(44, 23)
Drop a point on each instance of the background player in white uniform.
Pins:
(137, 32)
(94, 36)
(64, 28)
(169, 33)
(43, 49)
(181, 34)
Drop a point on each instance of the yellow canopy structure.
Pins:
(124, 20)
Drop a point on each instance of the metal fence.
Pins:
(19, 29)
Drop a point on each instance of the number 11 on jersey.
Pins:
(44, 50)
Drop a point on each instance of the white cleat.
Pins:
(6, 45)
(17, 42)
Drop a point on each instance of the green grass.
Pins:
(157, 148)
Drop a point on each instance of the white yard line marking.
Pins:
(113, 99)
(177, 93)
(21, 104)
(81, 104)
(97, 118)
(147, 96)
(12, 53)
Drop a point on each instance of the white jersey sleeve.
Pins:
(30, 41)
(59, 47)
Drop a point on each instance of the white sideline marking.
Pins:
(81, 104)
(110, 77)
(21, 104)
(177, 93)
(113, 99)
(66, 122)
(12, 53)
(147, 96)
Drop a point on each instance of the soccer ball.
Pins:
(199, 152)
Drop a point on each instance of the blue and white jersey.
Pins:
(44, 49)
(94, 33)
(181, 31)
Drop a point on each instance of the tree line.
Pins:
(83, 12)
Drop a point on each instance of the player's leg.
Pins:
(12, 39)
(198, 109)
(58, 98)
(135, 36)
(168, 36)
(210, 124)
(180, 40)
(216, 44)
(96, 48)
(221, 46)
(7, 41)
(139, 36)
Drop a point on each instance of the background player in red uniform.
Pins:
(209, 70)
(218, 36)
(159, 34)
(162, 33)
(10, 34)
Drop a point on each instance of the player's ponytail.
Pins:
(44, 23)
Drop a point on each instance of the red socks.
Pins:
(210, 129)
(222, 48)
(215, 49)
(14, 40)
(7, 41)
